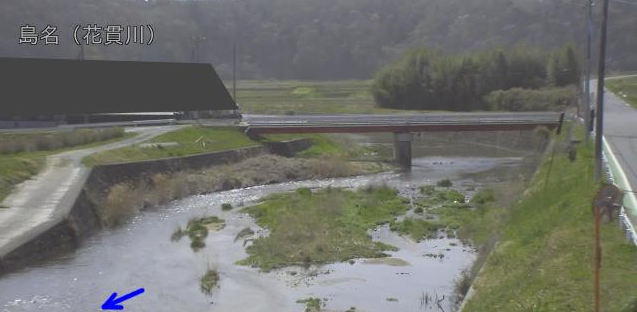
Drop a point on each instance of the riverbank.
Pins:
(113, 193)
(123, 199)
(190, 140)
(141, 252)
(544, 255)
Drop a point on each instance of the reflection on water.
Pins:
(141, 254)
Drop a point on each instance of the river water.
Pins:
(141, 254)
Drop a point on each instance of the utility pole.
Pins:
(599, 129)
(587, 86)
(234, 70)
(195, 49)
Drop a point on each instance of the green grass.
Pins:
(624, 88)
(210, 139)
(328, 225)
(322, 145)
(16, 168)
(543, 260)
(439, 209)
(418, 229)
(312, 304)
(299, 97)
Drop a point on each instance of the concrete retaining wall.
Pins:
(83, 220)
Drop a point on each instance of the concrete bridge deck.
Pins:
(426, 122)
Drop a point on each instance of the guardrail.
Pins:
(617, 176)
(405, 120)
(134, 123)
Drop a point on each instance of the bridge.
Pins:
(403, 126)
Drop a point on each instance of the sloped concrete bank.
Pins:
(83, 219)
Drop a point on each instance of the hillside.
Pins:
(314, 39)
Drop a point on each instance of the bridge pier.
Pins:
(402, 148)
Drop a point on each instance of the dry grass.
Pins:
(125, 199)
(32, 142)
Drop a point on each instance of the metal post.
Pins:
(195, 51)
(587, 86)
(598, 255)
(600, 96)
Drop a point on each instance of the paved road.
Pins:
(38, 204)
(620, 132)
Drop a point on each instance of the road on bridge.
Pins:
(481, 121)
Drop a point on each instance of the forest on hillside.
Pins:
(315, 39)
(516, 79)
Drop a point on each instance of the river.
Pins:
(141, 254)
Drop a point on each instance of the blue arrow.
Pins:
(113, 303)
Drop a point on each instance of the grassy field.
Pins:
(196, 139)
(18, 142)
(544, 258)
(298, 97)
(625, 88)
(15, 168)
(328, 225)
(322, 144)
(190, 140)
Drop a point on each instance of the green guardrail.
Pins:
(619, 178)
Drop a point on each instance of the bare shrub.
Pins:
(122, 201)
(329, 167)
(164, 188)
(46, 143)
(160, 188)
(462, 285)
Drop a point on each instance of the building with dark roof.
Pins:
(61, 90)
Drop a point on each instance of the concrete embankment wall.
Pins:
(83, 219)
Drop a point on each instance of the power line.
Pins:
(625, 2)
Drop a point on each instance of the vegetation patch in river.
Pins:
(418, 229)
(209, 281)
(312, 304)
(436, 197)
(442, 210)
(197, 230)
(324, 226)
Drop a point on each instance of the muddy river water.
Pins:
(141, 254)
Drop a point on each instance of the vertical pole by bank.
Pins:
(587, 86)
(234, 70)
(599, 129)
(597, 257)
